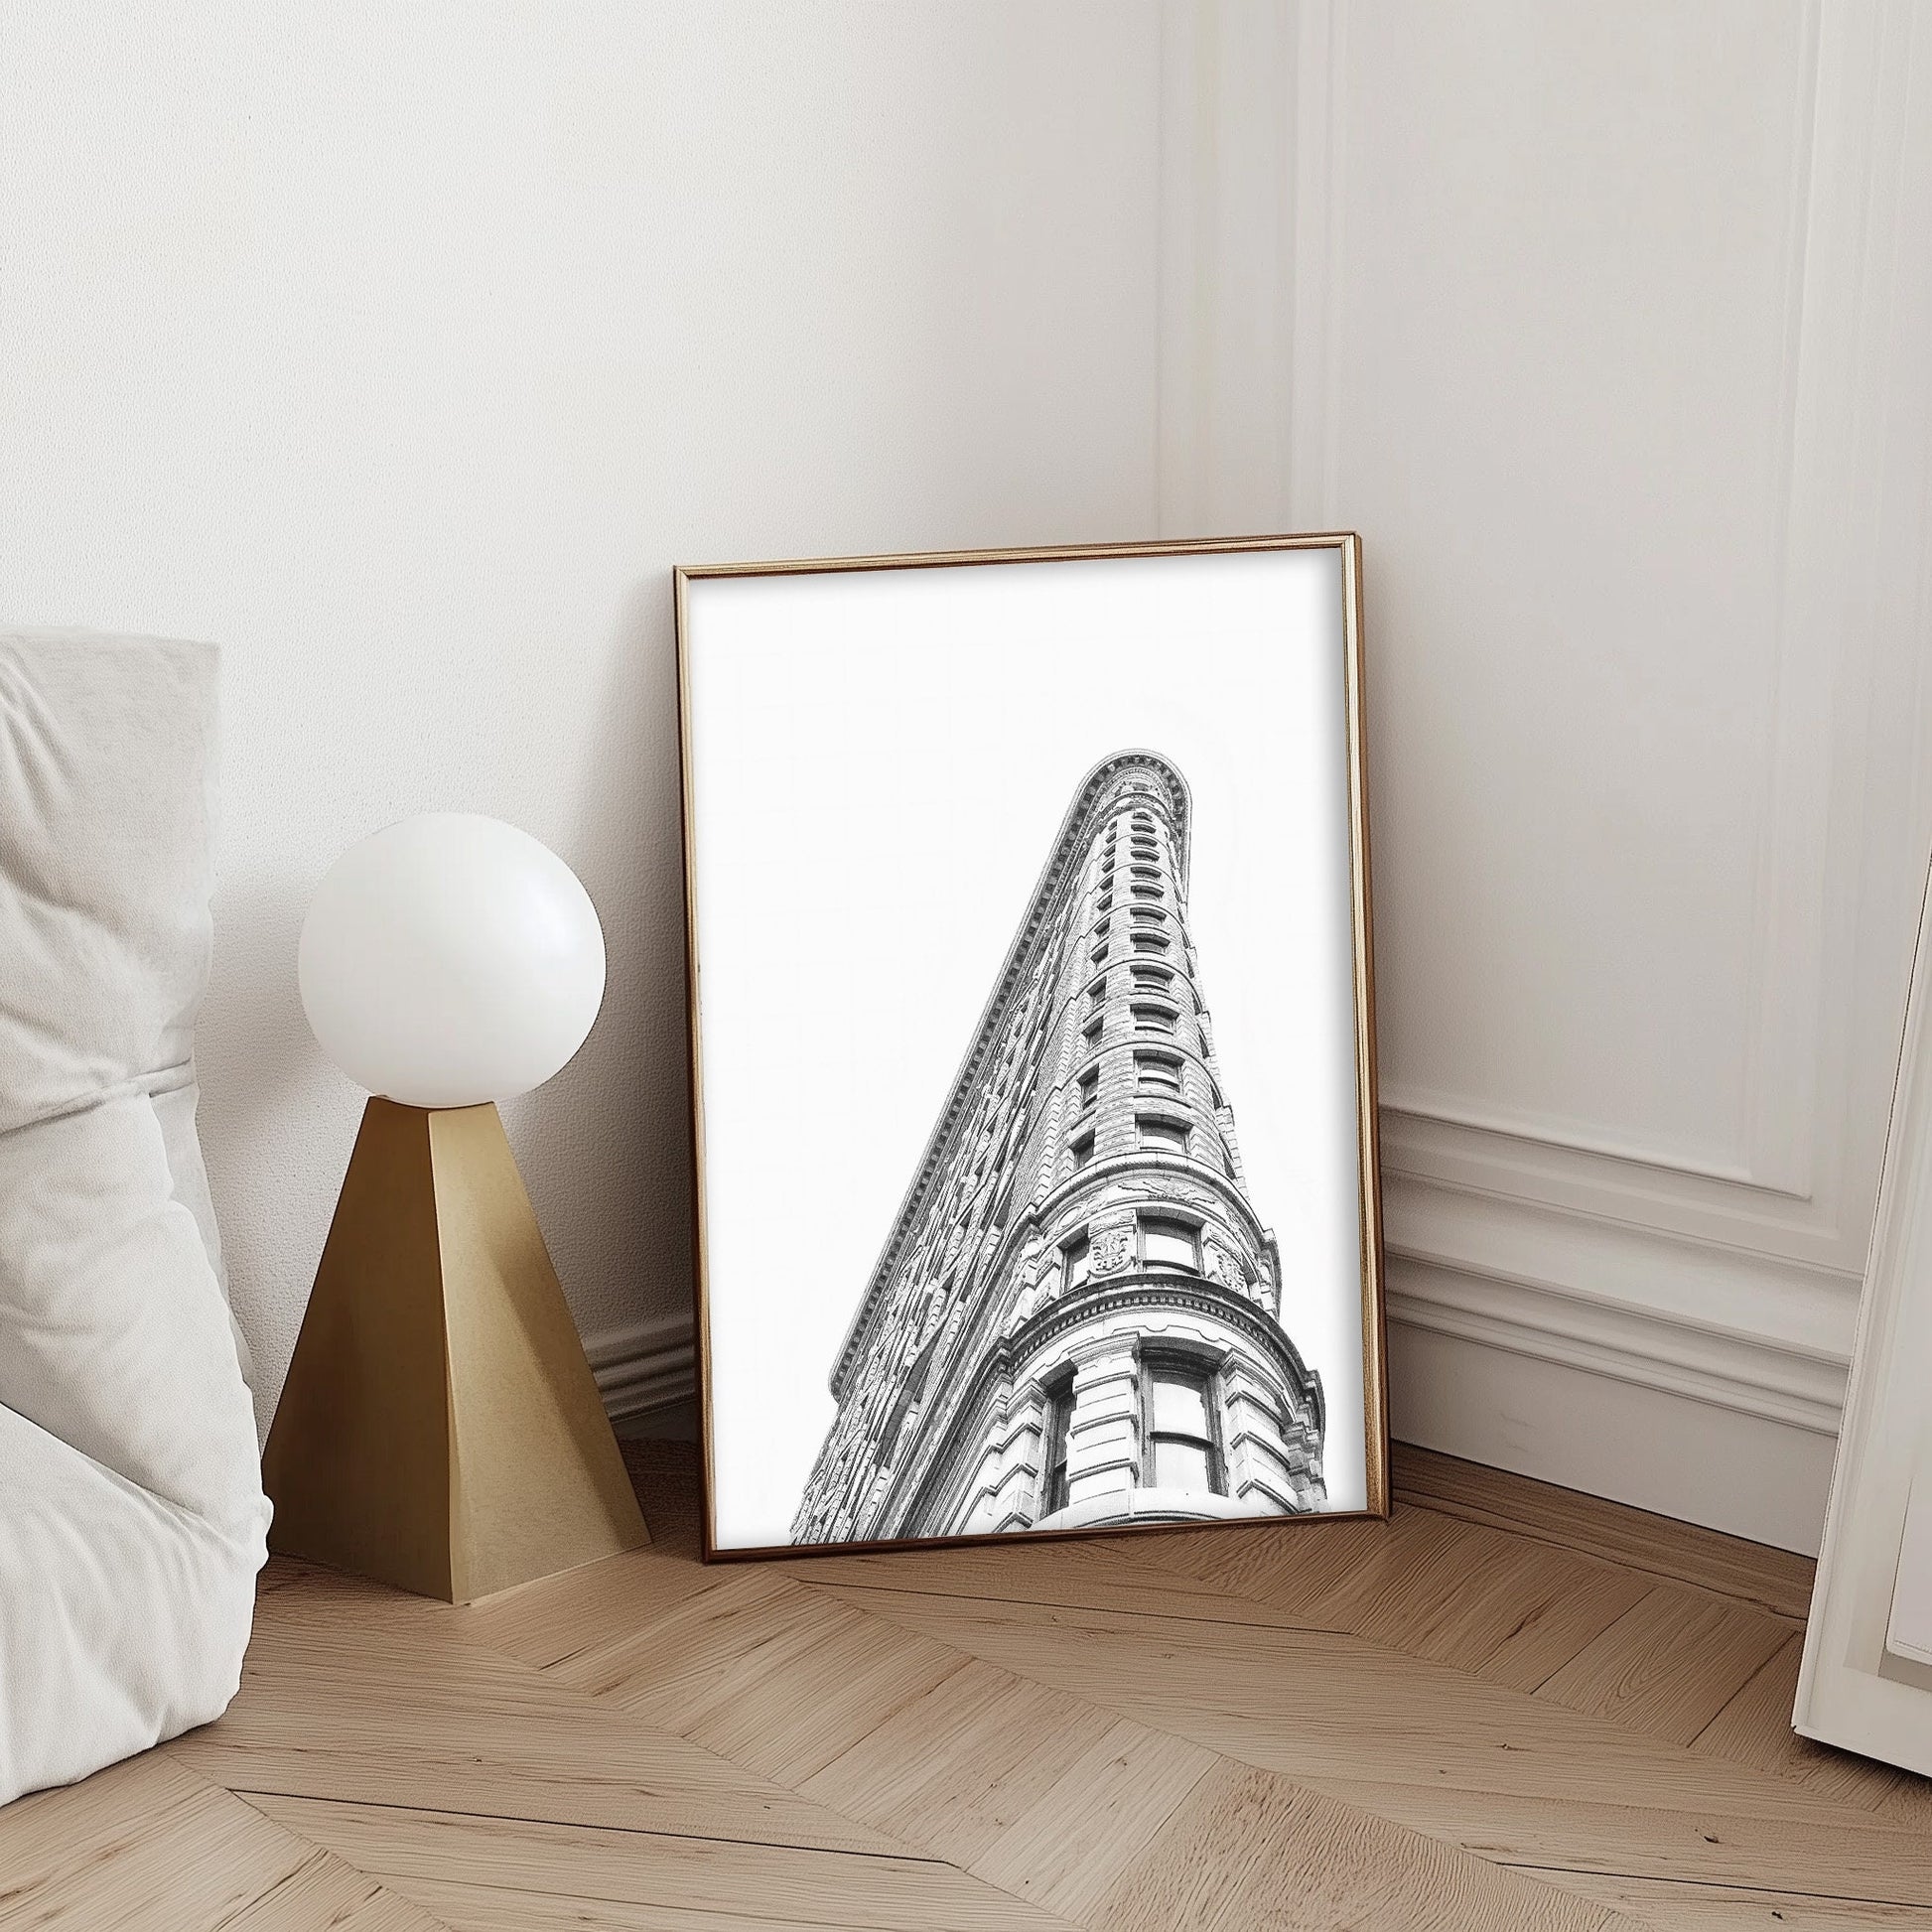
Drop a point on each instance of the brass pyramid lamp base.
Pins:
(440, 1428)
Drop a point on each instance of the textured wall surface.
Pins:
(401, 349)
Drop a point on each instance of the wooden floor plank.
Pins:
(1249, 1849)
(1291, 1568)
(1289, 1725)
(1705, 1846)
(1910, 1804)
(1454, 1592)
(1091, 1826)
(1383, 1731)
(1508, 1607)
(350, 1692)
(544, 1621)
(1729, 1908)
(1754, 1728)
(742, 1646)
(465, 1907)
(1670, 1663)
(693, 1876)
(148, 1844)
(955, 1770)
(329, 1895)
(1054, 1802)
(1331, 1704)
(1103, 1573)
(696, 1671)
(1750, 1573)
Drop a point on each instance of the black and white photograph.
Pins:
(1033, 1044)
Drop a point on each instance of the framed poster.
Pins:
(1032, 1043)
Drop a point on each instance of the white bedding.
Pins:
(132, 1521)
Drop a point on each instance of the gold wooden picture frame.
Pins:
(1079, 1318)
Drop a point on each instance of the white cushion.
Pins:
(131, 1515)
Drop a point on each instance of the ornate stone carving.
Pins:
(892, 1467)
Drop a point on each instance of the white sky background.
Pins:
(882, 761)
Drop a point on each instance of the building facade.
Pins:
(1077, 1319)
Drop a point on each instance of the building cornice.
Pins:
(1194, 1295)
(1141, 1290)
(1112, 1168)
(1097, 792)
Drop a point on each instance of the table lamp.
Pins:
(440, 1428)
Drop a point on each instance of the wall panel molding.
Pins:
(645, 1366)
(1721, 1280)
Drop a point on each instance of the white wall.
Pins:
(1607, 328)
(402, 348)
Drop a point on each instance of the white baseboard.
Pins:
(1609, 1436)
(1690, 1377)
(644, 1366)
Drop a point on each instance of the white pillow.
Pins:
(131, 1515)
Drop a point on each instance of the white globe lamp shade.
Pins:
(449, 960)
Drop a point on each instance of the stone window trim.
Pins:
(1156, 1017)
(1057, 1428)
(1191, 1366)
(1148, 915)
(1169, 1047)
(1077, 1262)
(1162, 1132)
(1171, 1076)
(1081, 1147)
(1172, 1236)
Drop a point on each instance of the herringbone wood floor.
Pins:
(1510, 1707)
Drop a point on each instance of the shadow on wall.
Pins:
(261, 1077)
(605, 1147)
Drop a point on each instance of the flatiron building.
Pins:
(1077, 1319)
